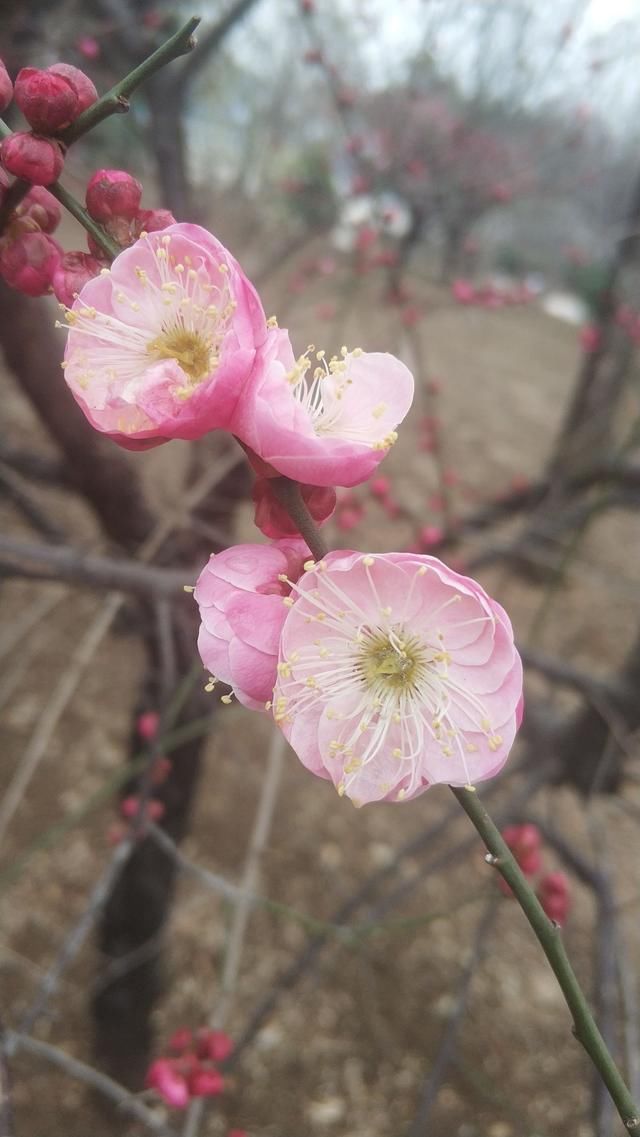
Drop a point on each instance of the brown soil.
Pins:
(347, 1051)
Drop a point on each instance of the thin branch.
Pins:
(116, 1093)
(43, 562)
(548, 935)
(11, 485)
(446, 1050)
(244, 904)
(211, 41)
(75, 938)
(116, 100)
(67, 684)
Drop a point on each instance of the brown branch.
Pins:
(44, 562)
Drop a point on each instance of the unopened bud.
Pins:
(82, 85)
(48, 101)
(206, 1083)
(152, 220)
(29, 262)
(37, 160)
(73, 272)
(554, 896)
(6, 88)
(40, 207)
(113, 193)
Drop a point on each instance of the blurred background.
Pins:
(457, 183)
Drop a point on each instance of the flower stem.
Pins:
(289, 495)
(548, 935)
(116, 101)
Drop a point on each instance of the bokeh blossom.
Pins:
(396, 673)
(241, 593)
(161, 345)
(324, 422)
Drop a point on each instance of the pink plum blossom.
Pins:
(330, 428)
(161, 345)
(241, 594)
(396, 673)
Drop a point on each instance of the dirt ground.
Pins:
(347, 1051)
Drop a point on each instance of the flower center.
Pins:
(391, 660)
(188, 348)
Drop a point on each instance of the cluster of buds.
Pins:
(50, 101)
(552, 888)
(113, 200)
(190, 1070)
(133, 809)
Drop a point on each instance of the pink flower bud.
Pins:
(163, 1077)
(89, 47)
(48, 101)
(181, 1040)
(6, 88)
(430, 536)
(130, 807)
(237, 1133)
(206, 1083)
(28, 263)
(272, 518)
(380, 486)
(554, 896)
(410, 315)
(37, 160)
(152, 220)
(41, 207)
(214, 1045)
(347, 519)
(85, 90)
(113, 193)
(524, 842)
(147, 725)
(73, 272)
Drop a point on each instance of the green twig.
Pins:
(548, 935)
(109, 247)
(116, 101)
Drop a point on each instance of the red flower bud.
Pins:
(47, 101)
(6, 88)
(164, 1078)
(113, 193)
(214, 1045)
(380, 486)
(73, 272)
(81, 84)
(181, 1039)
(554, 896)
(147, 725)
(524, 842)
(37, 160)
(29, 262)
(151, 220)
(206, 1083)
(273, 519)
(41, 208)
